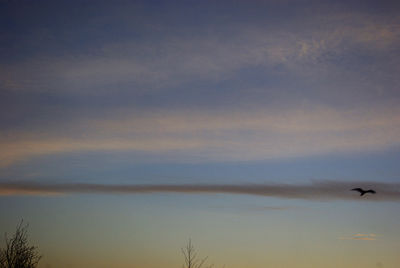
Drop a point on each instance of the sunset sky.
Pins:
(129, 127)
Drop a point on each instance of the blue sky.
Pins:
(201, 92)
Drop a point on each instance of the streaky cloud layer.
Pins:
(364, 237)
(208, 57)
(214, 136)
(316, 190)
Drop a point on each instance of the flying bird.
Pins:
(363, 192)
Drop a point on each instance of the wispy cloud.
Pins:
(366, 237)
(215, 56)
(271, 208)
(328, 190)
(305, 48)
(213, 136)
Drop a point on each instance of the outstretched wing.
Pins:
(371, 191)
(357, 189)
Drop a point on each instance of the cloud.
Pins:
(366, 237)
(214, 56)
(305, 48)
(273, 208)
(328, 190)
(256, 208)
(236, 135)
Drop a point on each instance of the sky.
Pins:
(129, 127)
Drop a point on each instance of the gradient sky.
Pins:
(118, 94)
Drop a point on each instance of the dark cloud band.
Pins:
(320, 190)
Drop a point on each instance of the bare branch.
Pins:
(191, 259)
(17, 252)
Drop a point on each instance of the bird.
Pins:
(363, 192)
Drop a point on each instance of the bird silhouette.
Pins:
(363, 192)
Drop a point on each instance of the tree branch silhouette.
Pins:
(17, 252)
(191, 258)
